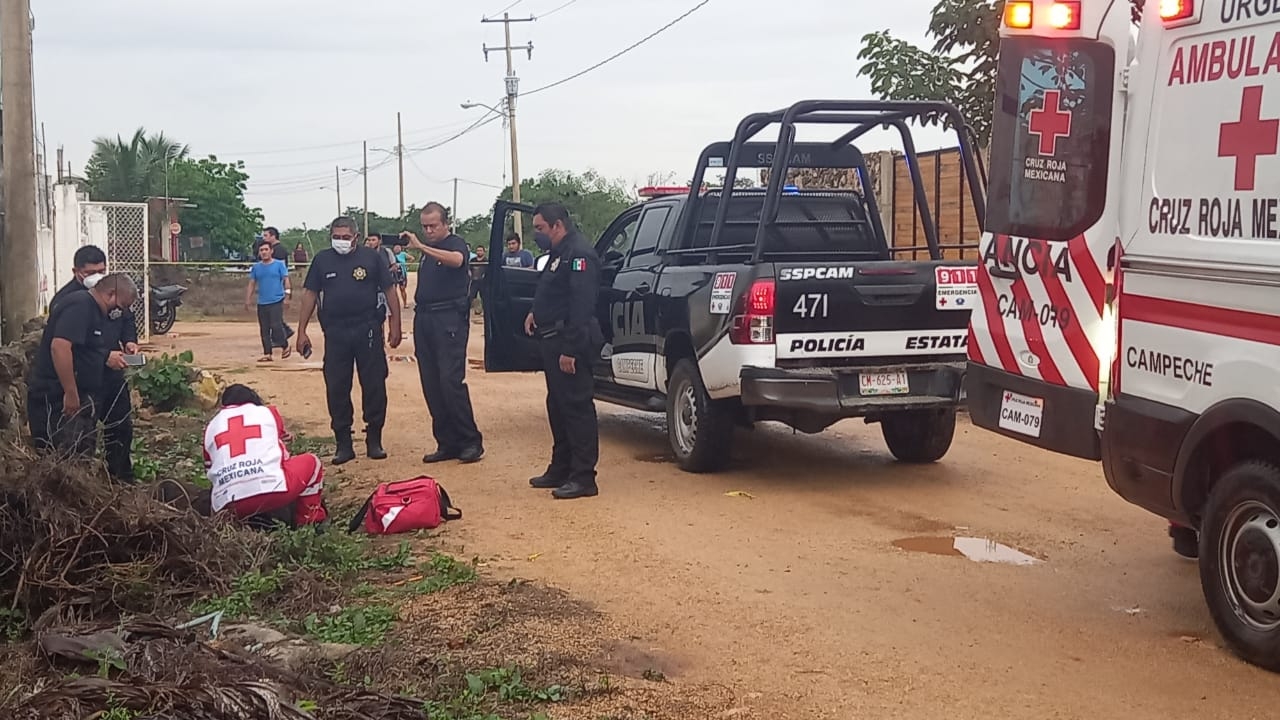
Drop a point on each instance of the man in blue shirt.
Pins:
(516, 255)
(269, 280)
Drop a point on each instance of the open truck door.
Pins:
(508, 300)
(1041, 339)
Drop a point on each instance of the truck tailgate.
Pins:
(872, 313)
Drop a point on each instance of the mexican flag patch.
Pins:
(579, 264)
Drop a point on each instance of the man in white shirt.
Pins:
(249, 465)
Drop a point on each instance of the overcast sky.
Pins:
(293, 86)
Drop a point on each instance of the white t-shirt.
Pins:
(243, 453)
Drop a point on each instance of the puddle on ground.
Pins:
(975, 549)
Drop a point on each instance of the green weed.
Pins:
(443, 571)
(165, 382)
(249, 589)
(366, 625)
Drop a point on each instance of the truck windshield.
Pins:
(1051, 137)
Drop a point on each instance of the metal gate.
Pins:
(120, 229)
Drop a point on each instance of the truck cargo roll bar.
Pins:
(866, 115)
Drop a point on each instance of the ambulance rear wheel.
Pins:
(919, 436)
(1240, 561)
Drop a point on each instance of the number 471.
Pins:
(811, 305)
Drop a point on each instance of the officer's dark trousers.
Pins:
(358, 343)
(115, 409)
(51, 431)
(440, 345)
(571, 410)
(271, 327)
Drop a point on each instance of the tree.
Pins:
(122, 170)
(220, 215)
(961, 68)
(593, 201)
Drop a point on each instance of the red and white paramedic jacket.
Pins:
(244, 452)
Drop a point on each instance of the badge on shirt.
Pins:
(359, 273)
(555, 264)
(579, 264)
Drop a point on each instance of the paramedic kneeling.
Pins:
(249, 466)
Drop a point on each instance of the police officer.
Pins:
(345, 282)
(441, 326)
(119, 332)
(564, 318)
(67, 375)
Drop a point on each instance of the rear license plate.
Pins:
(1021, 413)
(894, 383)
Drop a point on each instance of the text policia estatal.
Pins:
(1215, 217)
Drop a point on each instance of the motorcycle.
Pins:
(164, 307)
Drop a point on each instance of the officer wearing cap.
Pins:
(564, 319)
(345, 282)
(441, 326)
(119, 333)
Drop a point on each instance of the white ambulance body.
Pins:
(1130, 289)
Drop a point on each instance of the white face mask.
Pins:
(91, 280)
(342, 246)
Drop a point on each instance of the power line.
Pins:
(349, 143)
(494, 15)
(620, 53)
(555, 10)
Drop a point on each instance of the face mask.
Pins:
(342, 246)
(90, 280)
(543, 240)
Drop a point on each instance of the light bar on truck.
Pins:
(1017, 14)
(654, 191)
(1174, 10)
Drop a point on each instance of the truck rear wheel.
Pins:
(1240, 561)
(700, 428)
(919, 436)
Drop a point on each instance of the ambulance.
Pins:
(1129, 286)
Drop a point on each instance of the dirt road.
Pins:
(797, 597)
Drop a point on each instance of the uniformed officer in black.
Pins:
(119, 332)
(441, 327)
(345, 281)
(67, 375)
(564, 318)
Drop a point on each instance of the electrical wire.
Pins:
(555, 10)
(620, 53)
(494, 15)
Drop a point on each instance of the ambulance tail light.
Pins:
(1177, 10)
(753, 325)
(1064, 16)
(1017, 14)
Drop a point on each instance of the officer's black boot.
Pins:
(346, 452)
(373, 444)
(575, 489)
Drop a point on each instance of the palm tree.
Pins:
(129, 170)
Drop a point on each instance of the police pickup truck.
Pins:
(723, 307)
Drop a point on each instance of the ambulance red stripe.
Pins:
(975, 352)
(1088, 271)
(1081, 351)
(1035, 336)
(1227, 322)
(995, 323)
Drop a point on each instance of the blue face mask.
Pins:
(543, 241)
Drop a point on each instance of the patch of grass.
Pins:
(13, 624)
(487, 689)
(165, 382)
(335, 555)
(443, 571)
(303, 443)
(246, 594)
(367, 625)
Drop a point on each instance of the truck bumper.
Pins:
(835, 392)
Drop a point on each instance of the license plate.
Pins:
(894, 383)
(1021, 413)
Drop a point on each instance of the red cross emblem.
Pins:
(1248, 138)
(1050, 122)
(237, 435)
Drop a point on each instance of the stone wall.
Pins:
(213, 291)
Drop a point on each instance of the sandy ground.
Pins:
(797, 597)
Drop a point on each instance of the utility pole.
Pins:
(364, 170)
(400, 160)
(337, 185)
(513, 90)
(454, 210)
(19, 285)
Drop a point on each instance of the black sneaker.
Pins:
(574, 490)
(471, 455)
(546, 482)
(439, 456)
